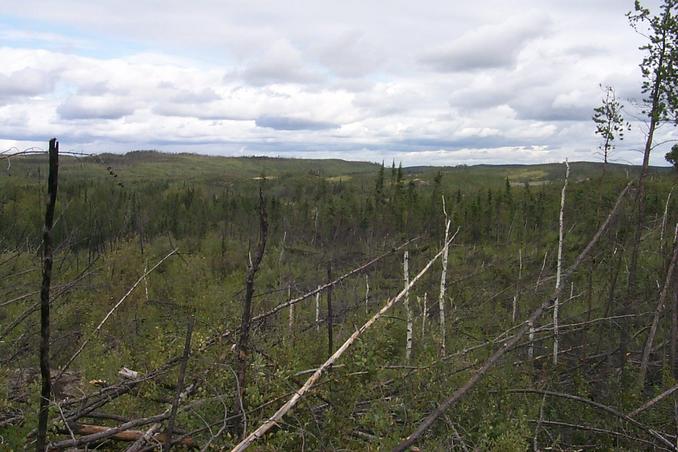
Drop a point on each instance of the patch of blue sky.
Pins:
(21, 32)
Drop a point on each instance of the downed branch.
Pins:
(650, 403)
(601, 407)
(102, 433)
(330, 284)
(95, 433)
(492, 360)
(594, 430)
(86, 404)
(282, 411)
(124, 297)
(661, 305)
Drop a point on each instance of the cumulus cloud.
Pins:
(25, 82)
(95, 107)
(429, 82)
(281, 62)
(286, 123)
(487, 47)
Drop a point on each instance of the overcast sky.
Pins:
(422, 82)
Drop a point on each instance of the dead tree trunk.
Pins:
(424, 314)
(656, 317)
(290, 319)
(317, 311)
(47, 251)
(312, 380)
(508, 344)
(330, 344)
(674, 334)
(242, 346)
(663, 228)
(654, 115)
(556, 303)
(367, 293)
(514, 313)
(443, 285)
(406, 279)
(180, 385)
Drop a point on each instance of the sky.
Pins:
(426, 82)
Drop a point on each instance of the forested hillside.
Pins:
(192, 297)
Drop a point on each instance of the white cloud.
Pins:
(428, 81)
(489, 46)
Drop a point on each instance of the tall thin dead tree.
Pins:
(330, 338)
(47, 252)
(424, 314)
(663, 228)
(367, 293)
(180, 384)
(556, 303)
(242, 346)
(514, 311)
(317, 310)
(507, 345)
(276, 418)
(290, 319)
(659, 310)
(674, 334)
(408, 309)
(443, 285)
(660, 105)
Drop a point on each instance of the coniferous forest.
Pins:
(154, 260)
(155, 301)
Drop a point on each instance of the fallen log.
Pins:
(124, 435)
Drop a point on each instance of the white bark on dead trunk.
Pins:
(367, 293)
(290, 321)
(556, 304)
(541, 272)
(424, 314)
(406, 279)
(661, 234)
(313, 379)
(443, 276)
(530, 348)
(514, 314)
(317, 310)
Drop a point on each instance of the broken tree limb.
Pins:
(367, 294)
(113, 309)
(180, 383)
(83, 405)
(594, 430)
(489, 363)
(100, 433)
(332, 283)
(650, 431)
(663, 227)
(650, 403)
(282, 411)
(93, 434)
(659, 310)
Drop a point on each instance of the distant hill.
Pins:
(153, 165)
